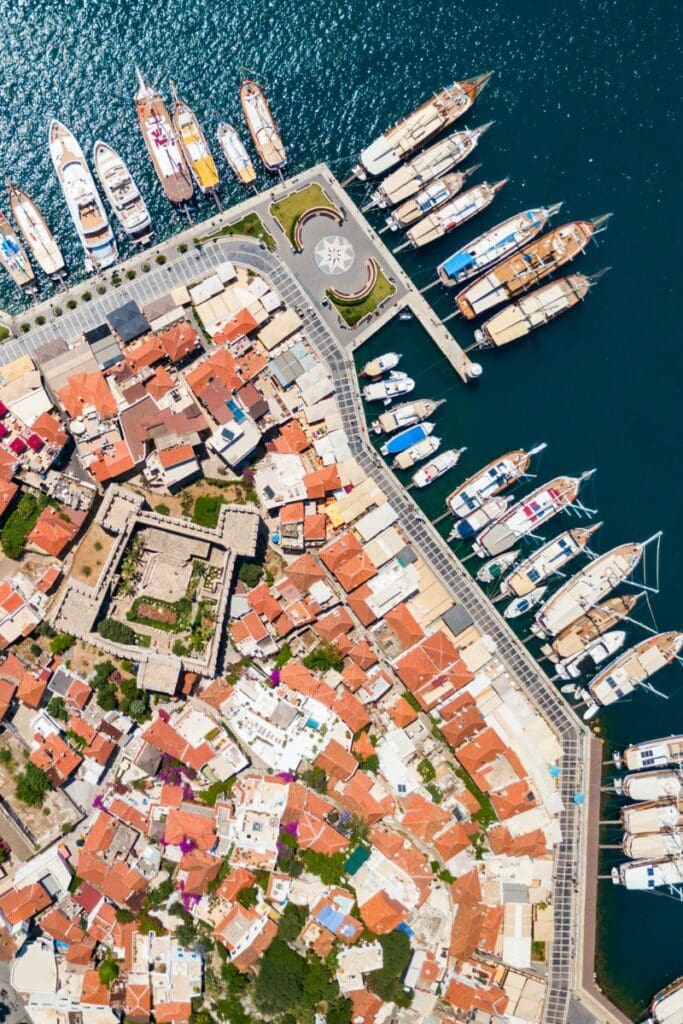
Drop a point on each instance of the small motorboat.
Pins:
(497, 567)
(393, 386)
(382, 364)
(437, 467)
(592, 655)
(487, 513)
(418, 452)
(405, 415)
(407, 438)
(522, 605)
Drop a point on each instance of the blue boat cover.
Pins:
(405, 439)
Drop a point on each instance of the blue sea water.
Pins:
(586, 101)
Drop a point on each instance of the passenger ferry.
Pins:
(82, 198)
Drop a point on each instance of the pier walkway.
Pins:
(287, 273)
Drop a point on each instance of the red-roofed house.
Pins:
(179, 341)
(87, 389)
(53, 532)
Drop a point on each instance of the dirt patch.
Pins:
(91, 555)
(43, 824)
(153, 611)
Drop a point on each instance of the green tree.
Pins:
(291, 922)
(248, 897)
(108, 971)
(62, 642)
(324, 657)
(340, 1011)
(106, 697)
(427, 770)
(329, 870)
(316, 778)
(280, 983)
(319, 985)
(250, 573)
(57, 709)
(32, 785)
(283, 656)
(386, 982)
(118, 632)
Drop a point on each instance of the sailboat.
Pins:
(35, 231)
(194, 145)
(495, 477)
(549, 559)
(632, 669)
(594, 623)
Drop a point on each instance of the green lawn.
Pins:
(287, 211)
(353, 312)
(251, 226)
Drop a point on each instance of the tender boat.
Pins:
(14, 259)
(451, 216)
(594, 623)
(262, 126)
(496, 568)
(417, 453)
(435, 195)
(35, 232)
(655, 785)
(426, 121)
(525, 268)
(667, 1005)
(194, 145)
(406, 438)
(495, 477)
(652, 816)
(486, 513)
(650, 874)
(495, 244)
(393, 386)
(535, 509)
(632, 669)
(658, 753)
(162, 145)
(433, 163)
(549, 559)
(82, 198)
(443, 462)
(382, 364)
(654, 845)
(122, 193)
(534, 310)
(586, 588)
(405, 415)
(523, 605)
(235, 152)
(594, 654)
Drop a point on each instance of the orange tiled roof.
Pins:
(169, 457)
(468, 997)
(356, 797)
(55, 757)
(315, 834)
(148, 352)
(138, 1002)
(264, 603)
(165, 738)
(336, 761)
(382, 914)
(233, 884)
(6, 694)
(402, 713)
(423, 818)
(19, 905)
(363, 654)
(531, 844)
(190, 824)
(8, 492)
(322, 481)
(291, 439)
(52, 533)
(31, 690)
(366, 1006)
(304, 571)
(83, 389)
(403, 625)
(109, 465)
(466, 930)
(179, 341)
(201, 868)
(51, 429)
(60, 927)
(335, 622)
(514, 799)
(94, 993)
(160, 384)
(241, 324)
(172, 1013)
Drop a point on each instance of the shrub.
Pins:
(160, 259)
(97, 545)
(182, 247)
(179, 648)
(131, 274)
(40, 320)
(32, 785)
(71, 304)
(162, 509)
(329, 870)
(106, 697)
(101, 289)
(426, 770)
(250, 573)
(145, 267)
(324, 657)
(86, 570)
(36, 650)
(6, 756)
(386, 982)
(118, 632)
(57, 709)
(316, 779)
(283, 656)
(280, 982)
(26, 328)
(20, 523)
(86, 296)
(108, 971)
(62, 642)
(57, 310)
(248, 897)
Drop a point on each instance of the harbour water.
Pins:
(585, 100)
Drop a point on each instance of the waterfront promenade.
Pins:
(288, 272)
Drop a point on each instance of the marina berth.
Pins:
(194, 145)
(533, 310)
(34, 229)
(426, 121)
(667, 1005)
(82, 198)
(235, 152)
(406, 438)
(437, 467)
(654, 845)
(491, 480)
(650, 874)
(387, 390)
(454, 214)
(525, 268)
(654, 754)
(529, 514)
(425, 167)
(488, 512)
(417, 453)
(495, 244)
(122, 193)
(382, 364)
(405, 415)
(586, 588)
(653, 816)
(262, 126)
(162, 145)
(632, 669)
(594, 654)
(495, 568)
(435, 195)
(594, 623)
(14, 259)
(548, 559)
(655, 785)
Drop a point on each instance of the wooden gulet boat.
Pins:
(594, 623)
(413, 131)
(163, 147)
(632, 669)
(262, 126)
(527, 267)
(451, 216)
(194, 145)
(35, 231)
(490, 481)
(434, 196)
(14, 259)
(547, 560)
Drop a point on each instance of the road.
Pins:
(284, 270)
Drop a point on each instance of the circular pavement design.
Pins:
(334, 254)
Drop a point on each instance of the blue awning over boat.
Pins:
(457, 264)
